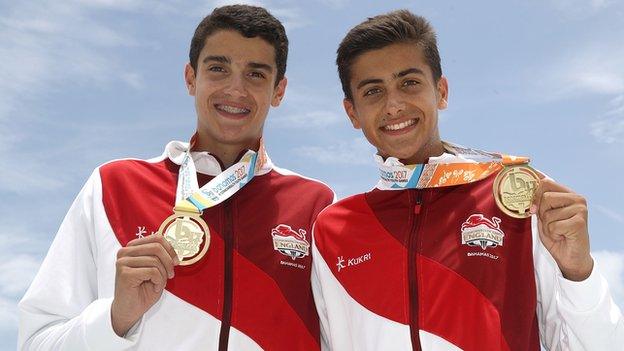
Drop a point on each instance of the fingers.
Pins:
(563, 213)
(544, 187)
(556, 200)
(152, 253)
(564, 222)
(152, 250)
(145, 262)
(568, 227)
(156, 239)
(137, 276)
(563, 218)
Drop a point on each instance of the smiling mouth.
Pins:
(399, 126)
(232, 110)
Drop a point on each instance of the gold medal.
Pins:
(188, 233)
(514, 188)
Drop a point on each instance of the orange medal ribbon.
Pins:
(513, 188)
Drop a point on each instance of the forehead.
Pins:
(238, 48)
(386, 62)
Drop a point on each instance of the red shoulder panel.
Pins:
(367, 260)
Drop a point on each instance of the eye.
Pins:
(372, 91)
(216, 69)
(256, 74)
(410, 82)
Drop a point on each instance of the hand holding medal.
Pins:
(142, 270)
(520, 191)
(562, 224)
(145, 264)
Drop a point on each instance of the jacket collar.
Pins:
(205, 162)
(446, 157)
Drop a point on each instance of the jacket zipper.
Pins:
(226, 318)
(412, 270)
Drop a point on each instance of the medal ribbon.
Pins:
(396, 176)
(190, 197)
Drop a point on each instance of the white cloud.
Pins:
(618, 217)
(306, 119)
(134, 80)
(45, 45)
(597, 69)
(8, 315)
(21, 173)
(27, 179)
(609, 128)
(303, 107)
(334, 4)
(16, 273)
(288, 13)
(291, 17)
(17, 270)
(219, 3)
(355, 152)
(580, 9)
(617, 106)
(125, 5)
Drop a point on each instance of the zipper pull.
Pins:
(418, 204)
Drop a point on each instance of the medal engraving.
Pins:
(188, 234)
(514, 188)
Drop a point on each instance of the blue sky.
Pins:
(83, 82)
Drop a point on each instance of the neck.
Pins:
(431, 149)
(226, 153)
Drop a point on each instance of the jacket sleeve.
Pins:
(61, 310)
(317, 291)
(574, 315)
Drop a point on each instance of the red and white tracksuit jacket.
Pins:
(243, 295)
(391, 273)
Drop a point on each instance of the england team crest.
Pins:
(290, 242)
(481, 231)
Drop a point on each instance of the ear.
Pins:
(189, 79)
(350, 110)
(443, 93)
(278, 92)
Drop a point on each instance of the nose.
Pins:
(236, 87)
(394, 105)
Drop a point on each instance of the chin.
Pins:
(401, 154)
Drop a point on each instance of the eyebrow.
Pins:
(225, 59)
(262, 66)
(403, 73)
(220, 59)
(368, 81)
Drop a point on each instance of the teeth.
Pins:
(232, 109)
(400, 125)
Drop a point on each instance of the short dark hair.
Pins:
(250, 22)
(377, 32)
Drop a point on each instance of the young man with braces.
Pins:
(227, 264)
